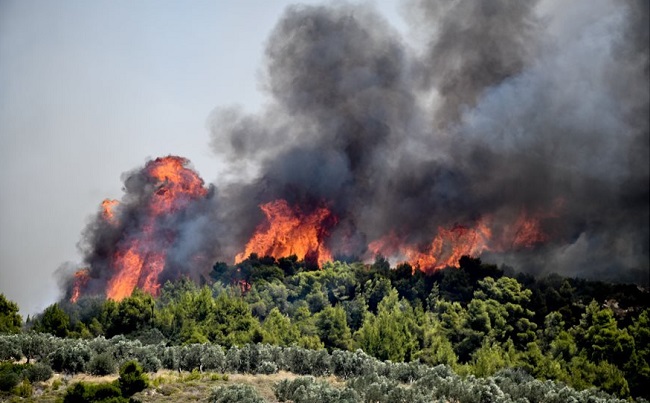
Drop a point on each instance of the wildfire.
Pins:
(445, 249)
(142, 259)
(289, 231)
(141, 250)
(135, 246)
(108, 210)
(177, 184)
(80, 280)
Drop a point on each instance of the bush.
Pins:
(267, 368)
(102, 364)
(307, 390)
(212, 358)
(171, 358)
(71, 357)
(10, 347)
(38, 372)
(146, 356)
(85, 393)
(8, 379)
(238, 393)
(190, 357)
(131, 379)
(24, 389)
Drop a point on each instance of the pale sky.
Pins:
(90, 90)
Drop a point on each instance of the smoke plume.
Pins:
(540, 108)
(514, 131)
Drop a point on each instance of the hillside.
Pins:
(484, 325)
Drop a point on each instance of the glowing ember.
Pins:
(80, 280)
(288, 231)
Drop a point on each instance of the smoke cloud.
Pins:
(529, 113)
(497, 109)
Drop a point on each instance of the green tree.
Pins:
(393, 333)
(132, 314)
(507, 304)
(54, 321)
(333, 328)
(437, 349)
(231, 322)
(598, 334)
(277, 329)
(132, 379)
(10, 320)
(637, 369)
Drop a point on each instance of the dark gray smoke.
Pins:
(502, 107)
(185, 233)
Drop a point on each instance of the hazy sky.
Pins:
(91, 89)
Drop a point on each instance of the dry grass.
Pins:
(170, 386)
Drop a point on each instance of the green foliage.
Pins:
(231, 322)
(10, 320)
(102, 364)
(238, 393)
(392, 334)
(599, 335)
(131, 379)
(333, 328)
(10, 347)
(277, 329)
(8, 378)
(81, 392)
(54, 321)
(71, 357)
(38, 372)
(474, 319)
(132, 314)
(35, 345)
(307, 390)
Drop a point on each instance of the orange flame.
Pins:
(444, 250)
(288, 231)
(80, 280)
(141, 258)
(108, 210)
(528, 232)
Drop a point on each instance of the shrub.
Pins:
(267, 368)
(146, 356)
(84, 393)
(307, 390)
(171, 358)
(131, 379)
(71, 357)
(38, 372)
(102, 364)
(10, 347)
(212, 358)
(24, 389)
(8, 379)
(190, 357)
(239, 393)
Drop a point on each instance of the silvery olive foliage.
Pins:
(367, 379)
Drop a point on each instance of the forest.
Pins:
(474, 333)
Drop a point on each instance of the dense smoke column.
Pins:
(161, 229)
(505, 108)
